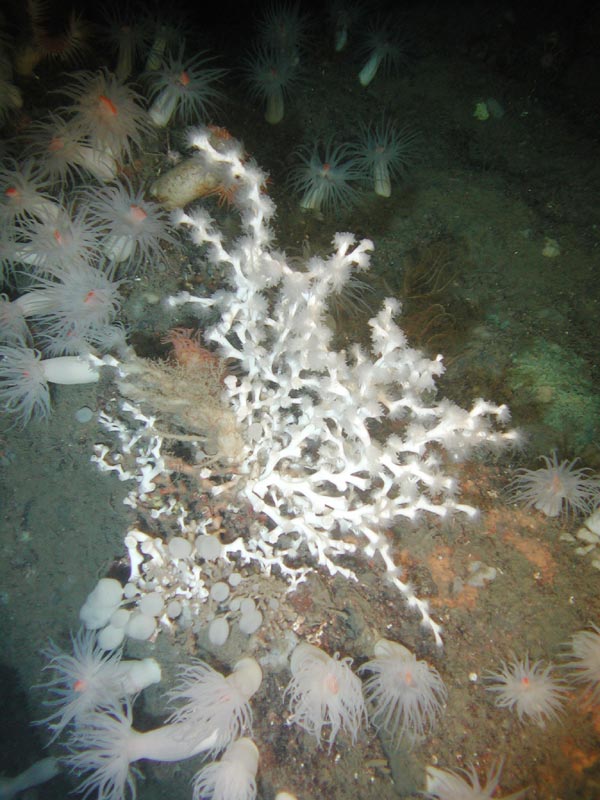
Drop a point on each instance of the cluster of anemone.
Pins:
(274, 66)
(92, 135)
(69, 296)
(141, 35)
(104, 746)
(91, 701)
(537, 693)
(64, 260)
(92, 694)
(103, 122)
(328, 174)
(404, 695)
(66, 257)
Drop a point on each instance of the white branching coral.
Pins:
(306, 413)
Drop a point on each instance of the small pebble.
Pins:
(84, 414)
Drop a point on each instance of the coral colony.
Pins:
(296, 440)
(321, 450)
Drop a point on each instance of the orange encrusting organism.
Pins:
(189, 352)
